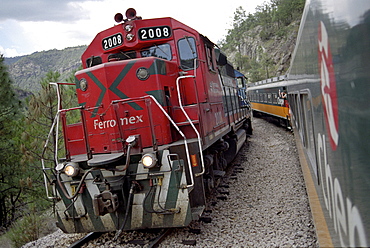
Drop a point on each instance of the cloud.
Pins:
(42, 10)
(10, 52)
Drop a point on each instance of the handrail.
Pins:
(56, 125)
(173, 123)
(53, 126)
(190, 122)
(42, 157)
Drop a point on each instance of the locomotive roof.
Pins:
(95, 47)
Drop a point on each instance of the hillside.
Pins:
(270, 57)
(27, 71)
(261, 44)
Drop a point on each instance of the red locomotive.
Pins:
(161, 116)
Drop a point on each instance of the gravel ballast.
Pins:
(266, 205)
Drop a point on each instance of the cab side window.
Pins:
(188, 53)
(94, 60)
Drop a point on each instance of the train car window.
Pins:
(295, 110)
(308, 131)
(209, 53)
(92, 61)
(274, 98)
(188, 53)
(303, 120)
(294, 102)
(122, 56)
(269, 99)
(162, 51)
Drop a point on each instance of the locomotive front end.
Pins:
(150, 191)
(120, 173)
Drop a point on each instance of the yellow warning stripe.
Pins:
(322, 231)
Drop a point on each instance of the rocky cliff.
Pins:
(27, 71)
(270, 53)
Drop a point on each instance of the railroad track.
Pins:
(86, 239)
(152, 243)
(219, 194)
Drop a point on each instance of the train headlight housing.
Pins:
(130, 37)
(72, 169)
(142, 73)
(149, 160)
(128, 28)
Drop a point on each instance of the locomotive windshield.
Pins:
(122, 55)
(162, 51)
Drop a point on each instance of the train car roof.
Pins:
(269, 85)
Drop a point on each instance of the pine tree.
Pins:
(41, 110)
(10, 167)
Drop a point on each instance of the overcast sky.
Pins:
(27, 26)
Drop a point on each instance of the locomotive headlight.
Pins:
(142, 73)
(128, 28)
(130, 37)
(149, 160)
(72, 169)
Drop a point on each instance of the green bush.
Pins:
(25, 230)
